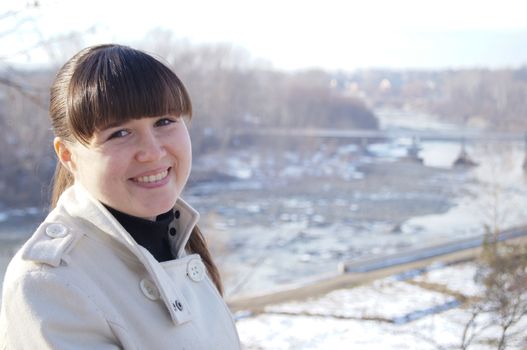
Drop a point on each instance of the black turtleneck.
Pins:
(153, 235)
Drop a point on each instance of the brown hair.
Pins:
(111, 84)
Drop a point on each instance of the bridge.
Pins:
(365, 136)
(428, 135)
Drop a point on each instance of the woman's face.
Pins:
(139, 167)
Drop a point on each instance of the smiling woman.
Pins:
(119, 262)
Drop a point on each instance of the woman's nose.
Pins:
(151, 148)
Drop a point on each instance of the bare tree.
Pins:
(26, 160)
(503, 306)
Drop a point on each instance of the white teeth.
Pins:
(152, 178)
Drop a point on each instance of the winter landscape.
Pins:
(399, 129)
(278, 219)
(421, 312)
(388, 203)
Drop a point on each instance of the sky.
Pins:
(290, 34)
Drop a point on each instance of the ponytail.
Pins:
(198, 244)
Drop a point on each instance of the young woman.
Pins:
(119, 263)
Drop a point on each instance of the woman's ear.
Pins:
(63, 151)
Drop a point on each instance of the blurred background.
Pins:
(325, 133)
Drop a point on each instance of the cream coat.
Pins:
(81, 282)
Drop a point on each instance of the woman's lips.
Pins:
(153, 178)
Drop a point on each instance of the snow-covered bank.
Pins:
(423, 312)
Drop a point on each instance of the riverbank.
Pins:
(410, 263)
(423, 309)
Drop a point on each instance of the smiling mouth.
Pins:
(152, 178)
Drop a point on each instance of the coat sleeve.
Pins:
(44, 311)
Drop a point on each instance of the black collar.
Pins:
(153, 235)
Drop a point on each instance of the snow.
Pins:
(391, 151)
(380, 300)
(368, 317)
(444, 276)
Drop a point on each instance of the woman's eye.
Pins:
(164, 121)
(118, 133)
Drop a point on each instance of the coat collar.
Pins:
(78, 202)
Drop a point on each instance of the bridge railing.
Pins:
(446, 135)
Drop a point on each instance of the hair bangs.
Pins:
(117, 84)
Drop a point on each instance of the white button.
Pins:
(149, 289)
(196, 270)
(56, 230)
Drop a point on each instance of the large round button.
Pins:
(56, 230)
(196, 270)
(149, 289)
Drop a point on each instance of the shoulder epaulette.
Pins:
(50, 243)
